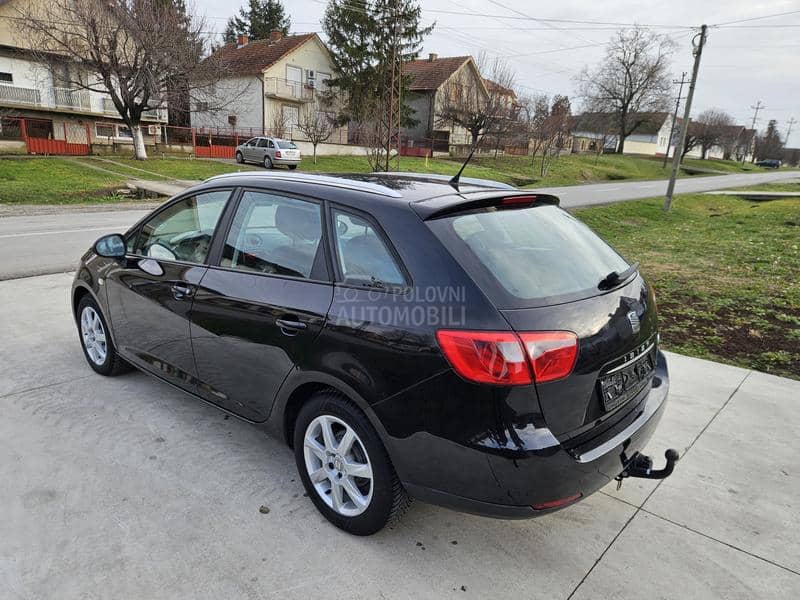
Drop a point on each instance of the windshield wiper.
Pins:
(374, 283)
(614, 278)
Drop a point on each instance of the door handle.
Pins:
(181, 291)
(290, 327)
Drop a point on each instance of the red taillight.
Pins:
(485, 356)
(557, 503)
(511, 200)
(499, 357)
(552, 354)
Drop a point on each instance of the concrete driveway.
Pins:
(126, 488)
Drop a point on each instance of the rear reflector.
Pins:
(552, 354)
(485, 356)
(505, 358)
(557, 503)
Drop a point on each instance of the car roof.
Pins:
(362, 190)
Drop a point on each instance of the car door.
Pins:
(260, 151)
(262, 304)
(249, 149)
(150, 292)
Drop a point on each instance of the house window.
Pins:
(202, 107)
(104, 130)
(112, 130)
(6, 77)
(232, 120)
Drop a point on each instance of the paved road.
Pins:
(125, 488)
(606, 193)
(53, 243)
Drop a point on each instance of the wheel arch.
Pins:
(298, 389)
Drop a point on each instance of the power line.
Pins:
(782, 14)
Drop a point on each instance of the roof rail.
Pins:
(331, 181)
(433, 177)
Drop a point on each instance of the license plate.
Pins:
(620, 386)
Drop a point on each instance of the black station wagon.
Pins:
(462, 343)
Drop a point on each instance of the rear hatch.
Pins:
(546, 271)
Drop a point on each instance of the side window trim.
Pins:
(321, 269)
(333, 250)
(136, 230)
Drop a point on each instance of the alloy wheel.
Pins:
(338, 465)
(94, 335)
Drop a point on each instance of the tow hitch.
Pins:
(641, 465)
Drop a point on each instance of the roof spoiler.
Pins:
(448, 205)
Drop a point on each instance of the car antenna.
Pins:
(454, 181)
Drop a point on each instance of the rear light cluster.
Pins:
(508, 358)
(277, 154)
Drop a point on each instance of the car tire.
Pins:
(100, 352)
(292, 167)
(239, 157)
(267, 162)
(378, 500)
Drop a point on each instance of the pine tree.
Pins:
(258, 20)
(361, 38)
(769, 145)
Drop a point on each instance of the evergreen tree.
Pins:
(769, 145)
(363, 36)
(257, 21)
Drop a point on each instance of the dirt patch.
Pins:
(763, 340)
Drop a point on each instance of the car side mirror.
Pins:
(110, 246)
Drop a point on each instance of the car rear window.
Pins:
(284, 145)
(530, 256)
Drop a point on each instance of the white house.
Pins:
(35, 104)
(269, 85)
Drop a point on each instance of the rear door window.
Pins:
(274, 234)
(528, 256)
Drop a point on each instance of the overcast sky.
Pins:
(742, 63)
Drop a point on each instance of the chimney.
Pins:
(242, 40)
(275, 35)
(432, 57)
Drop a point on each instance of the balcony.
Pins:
(75, 99)
(286, 89)
(11, 94)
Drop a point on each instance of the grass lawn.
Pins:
(518, 170)
(725, 272)
(176, 168)
(54, 181)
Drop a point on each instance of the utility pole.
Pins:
(682, 81)
(391, 101)
(687, 111)
(757, 108)
(789, 123)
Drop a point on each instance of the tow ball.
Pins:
(641, 465)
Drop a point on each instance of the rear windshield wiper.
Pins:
(615, 277)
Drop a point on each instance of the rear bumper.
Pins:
(286, 161)
(508, 482)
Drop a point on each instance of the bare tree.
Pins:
(712, 128)
(279, 124)
(318, 127)
(634, 78)
(480, 109)
(136, 51)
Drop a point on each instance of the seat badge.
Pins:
(633, 318)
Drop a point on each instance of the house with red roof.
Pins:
(429, 80)
(268, 85)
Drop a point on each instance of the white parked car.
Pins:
(269, 152)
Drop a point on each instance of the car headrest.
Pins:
(298, 223)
